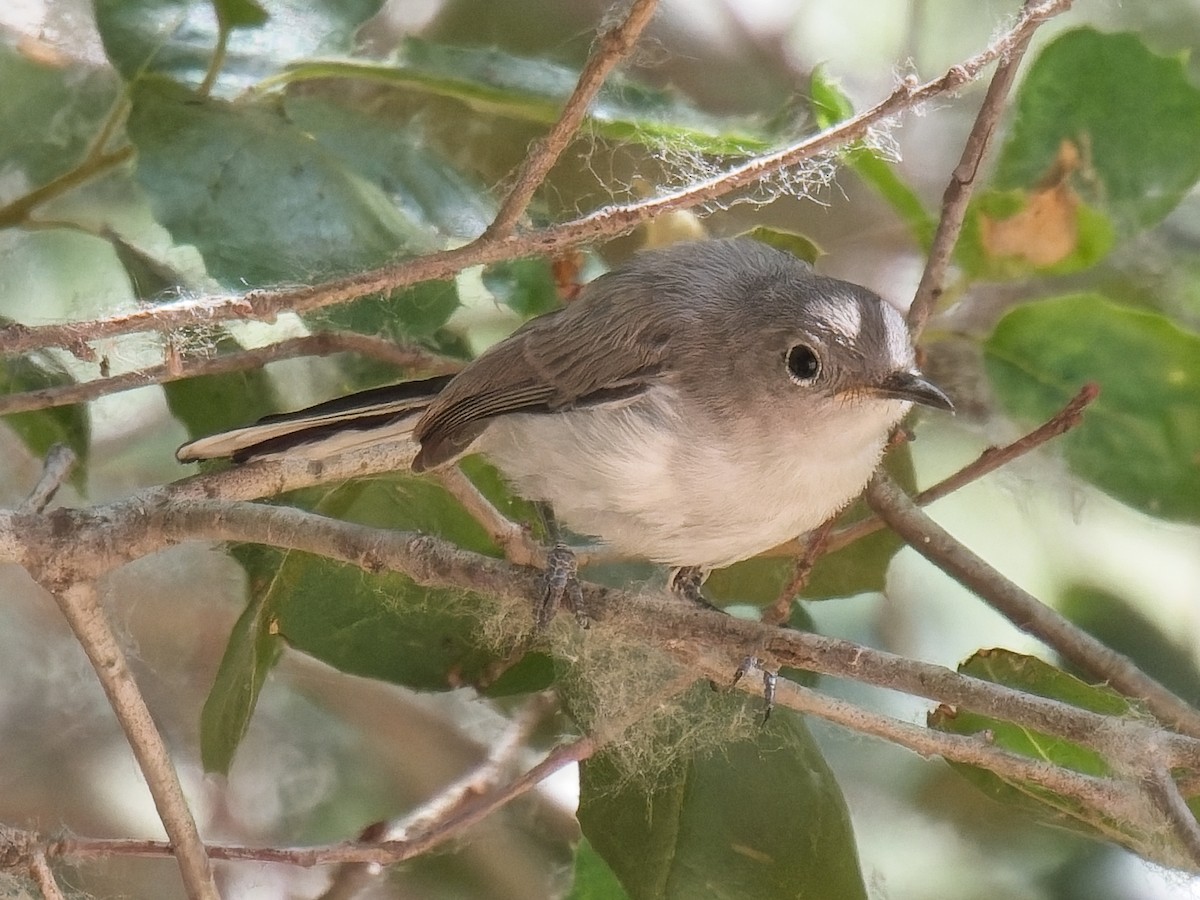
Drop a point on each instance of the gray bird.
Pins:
(696, 406)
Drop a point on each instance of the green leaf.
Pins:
(1046, 231)
(178, 37)
(260, 200)
(50, 114)
(525, 286)
(415, 312)
(389, 152)
(791, 242)
(830, 105)
(535, 90)
(41, 429)
(1144, 836)
(594, 880)
(212, 403)
(250, 654)
(239, 13)
(1131, 115)
(759, 817)
(1141, 439)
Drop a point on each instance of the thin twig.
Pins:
(1023, 609)
(80, 606)
(16, 212)
(60, 460)
(606, 222)
(43, 877)
(350, 879)
(975, 750)
(519, 546)
(323, 343)
(987, 462)
(816, 544)
(614, 45)
(962, 180)
(1164, 791)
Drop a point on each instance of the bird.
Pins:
(695, 406)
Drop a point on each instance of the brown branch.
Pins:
(962, 179)
(324, 343)
(60, 460)
(102, 539)
(607, 222)
(975, 750)
(80, 605)
(1164, 792)
(615, 44)
(39, 871)
(519, 546)
(1023, 609)
(987, 462)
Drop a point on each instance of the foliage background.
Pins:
(327, 752)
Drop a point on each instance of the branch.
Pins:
(987, 462)
(1023, 609)
(324, 343)
(80, 606)
(101, 539)
(1164, 791)
(351, 879)
(616, 44)
(607, 222)
(962, 179)
(60, 460)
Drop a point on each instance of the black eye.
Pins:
(802, 364)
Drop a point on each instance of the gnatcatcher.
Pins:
(697, 406)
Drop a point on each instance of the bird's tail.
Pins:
(361, 419)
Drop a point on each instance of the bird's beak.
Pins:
(914, 387)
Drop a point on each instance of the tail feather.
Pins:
(337, 425)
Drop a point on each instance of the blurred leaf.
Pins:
(1140, 440)
(391, 154)
(41, 429)
(250, 654)
(211, 403)
(261, 201)
(492, 81)
(1031, 675)
(239, 13)
(760, 817)
(50, 114)
(791, 242)
(830, 105)
(532, 672)
(1118, 624)
(149, 277)
(414, 312)
(594, 880)
(526, 286)
(177, 37)
(1131, 115)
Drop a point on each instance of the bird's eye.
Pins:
(802, 364)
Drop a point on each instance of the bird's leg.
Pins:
(560, 582)
(686, 581)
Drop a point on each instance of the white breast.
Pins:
(641, 478)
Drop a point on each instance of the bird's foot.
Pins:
(560, 586)
(770, 681)
(686, 582)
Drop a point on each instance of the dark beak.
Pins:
(914, 387)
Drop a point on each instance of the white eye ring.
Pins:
(803, 364)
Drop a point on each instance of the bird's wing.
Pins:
(564, 360)
(371, 410)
